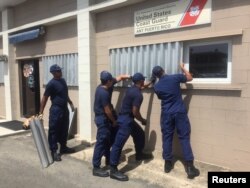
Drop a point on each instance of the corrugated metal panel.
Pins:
(130, 60)
(69, 62)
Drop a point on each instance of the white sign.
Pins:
(182, 13)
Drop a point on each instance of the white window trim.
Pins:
(210, 80)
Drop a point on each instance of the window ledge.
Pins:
(226, 87)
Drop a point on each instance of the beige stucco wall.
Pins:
(220, 118)
(61, 38)
(31, 11)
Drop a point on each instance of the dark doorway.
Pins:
(30, 87)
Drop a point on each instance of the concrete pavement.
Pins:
(153, 170)
(8, 132)
(20, 167)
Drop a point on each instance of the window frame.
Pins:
(227, 80)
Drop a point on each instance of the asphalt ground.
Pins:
(20, 167)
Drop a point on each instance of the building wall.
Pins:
(59, 38)
(219, 117)
(31, 11)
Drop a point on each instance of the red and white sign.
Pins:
(182, 13)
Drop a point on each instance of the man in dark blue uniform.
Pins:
(113, 130)
(104, 120)
(174, 114)
(130, 109)
(57, 90)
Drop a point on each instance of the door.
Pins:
(30, 90)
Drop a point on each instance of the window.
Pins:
(69, 63)
(130, 60)
(209, 62)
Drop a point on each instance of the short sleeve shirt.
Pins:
(133, 97)
(168, 91)
(102, 99)
(57, 90)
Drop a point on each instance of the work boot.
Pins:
(143, 156)
(97, 171)
(66, 150)
(191, 170)
(168, 166)
(115, 174)
(56, 156)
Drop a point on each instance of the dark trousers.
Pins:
(58, 126)
(102, 145)
(168, 124)
(113, 132)
(127, 127)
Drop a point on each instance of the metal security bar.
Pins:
(130, 60)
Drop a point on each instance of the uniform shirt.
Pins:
(58, 91)
(168, 91)
(102, 99)
(133, 97)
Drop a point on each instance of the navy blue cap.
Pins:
(138, 77)
(157, 70)
(55, 68)
(105, 75)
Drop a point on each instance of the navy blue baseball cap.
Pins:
(55, 68)
(105, 75)
(157, 71)
(138, 77)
